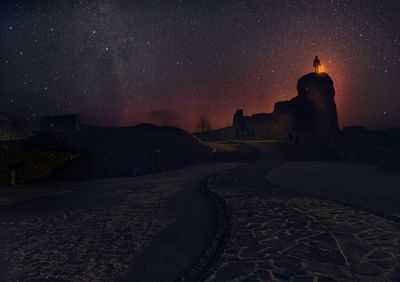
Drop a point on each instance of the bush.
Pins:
(30, 163)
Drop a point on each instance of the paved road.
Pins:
(277, 236)
(150, 228)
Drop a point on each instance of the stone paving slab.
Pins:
(275, 236)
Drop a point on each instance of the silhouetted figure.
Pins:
(317, 65)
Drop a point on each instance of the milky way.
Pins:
(119, 63)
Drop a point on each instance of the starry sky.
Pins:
(119, 63)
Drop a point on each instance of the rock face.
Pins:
(311, 113)
(317, 107)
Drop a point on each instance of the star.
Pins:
(137, 59)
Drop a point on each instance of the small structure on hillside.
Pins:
(61, 123)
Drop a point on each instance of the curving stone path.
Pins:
(276, 236)
(150, 228)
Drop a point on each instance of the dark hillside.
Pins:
(125, 151)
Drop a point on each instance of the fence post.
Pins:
(13, 177)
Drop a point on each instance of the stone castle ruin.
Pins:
(311, 113)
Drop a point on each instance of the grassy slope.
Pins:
(29, 162)
(231, 151)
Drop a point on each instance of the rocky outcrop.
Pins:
(316, 107)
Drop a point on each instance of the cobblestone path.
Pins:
(150, 228)
(93, 243)
(276, 236)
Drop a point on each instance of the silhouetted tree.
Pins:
(203, 124)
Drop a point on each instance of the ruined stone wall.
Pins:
(312, 112)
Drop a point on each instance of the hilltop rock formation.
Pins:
(316, 105)
(311, 113)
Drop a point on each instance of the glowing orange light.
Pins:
(318, 68)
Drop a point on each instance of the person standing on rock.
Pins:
(317, 65)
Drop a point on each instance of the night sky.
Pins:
(119, 63)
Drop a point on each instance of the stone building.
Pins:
(311, 113)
